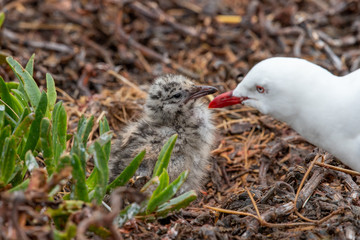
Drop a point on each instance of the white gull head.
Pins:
(323, 108)
(280, 86)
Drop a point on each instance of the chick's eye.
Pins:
(260, 89)
(177, 95)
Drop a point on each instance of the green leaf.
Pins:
(7, 100)
(177, 203)
(80, 192)
(128, 213)
(153, 183)
(60, 215)
(30, 86)
(9, 120)
(69, 136)
(22, 90)
(81, 122)
(167, 193)
(59, 127)
(2, 18)
(21, 187)
(18, 108)
(62, 127)
(102, 232)
(79, 149)
(51, 92)
(104, 127)
(30, 69)
(69, 233)
(103, 173)
(17, 177)
(34, 131)
(22, 129)
(65, 160)
(164, 182)
(30, 65)
(92, 180)
(84, 129)
(21, 98)
(30, 161)
(103, 140)
(12, 85)
(80, 139)
(4, 133)
(128, 172)
(25, 113)
(164, 156)
(7, 161)
(46, 145)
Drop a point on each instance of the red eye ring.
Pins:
(260, 89)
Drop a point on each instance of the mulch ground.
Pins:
(104, 54)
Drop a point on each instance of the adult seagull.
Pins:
(322, 107)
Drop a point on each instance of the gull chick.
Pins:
(322, 107)
(172, 106)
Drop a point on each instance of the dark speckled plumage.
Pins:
(170, 108)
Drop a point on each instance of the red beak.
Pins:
(226, 99)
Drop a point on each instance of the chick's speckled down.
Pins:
(173, 106)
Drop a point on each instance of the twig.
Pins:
(232, 212)
(299, 41)
(144, 63)
(37, 44)
(122, 36)
(313, 183)
(262, 222)
(127, 82)
(351, 172)
(303, 180)
(320, 44)
(224, 174)
(245, 150)
(253, 202)
(346, 41)
(49, 26)
(105, 54)
(264, 166)
(154, 12)
(67, 96)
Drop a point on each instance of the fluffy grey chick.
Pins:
(172, 106)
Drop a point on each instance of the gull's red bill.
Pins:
(226, 99)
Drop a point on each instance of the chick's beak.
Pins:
(226, 99)
(200, 91)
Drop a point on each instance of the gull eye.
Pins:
(178, 95)
(260, 89)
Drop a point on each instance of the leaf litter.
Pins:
(104, 54)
